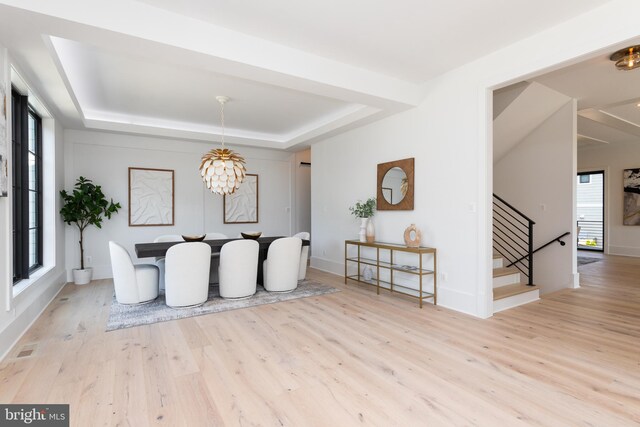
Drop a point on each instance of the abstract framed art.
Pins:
(241, 207)
(631, 209)
(151, 197)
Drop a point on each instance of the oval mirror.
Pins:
(394, 185)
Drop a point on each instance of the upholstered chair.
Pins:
(213, 274)
(280, 269)
(134, 284)
(304, 255)
(160, 260)
(238, 270)
(187, 274)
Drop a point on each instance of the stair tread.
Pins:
(511, 290)
(504, 271)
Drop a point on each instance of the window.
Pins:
(585, 179)
(27, 188)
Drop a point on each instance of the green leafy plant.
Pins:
(364, 209)
(86, 206)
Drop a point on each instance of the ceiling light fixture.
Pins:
(222, 169)
(627, 58)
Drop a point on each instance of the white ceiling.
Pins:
(296, 71)
(608, 98)
(407, 39)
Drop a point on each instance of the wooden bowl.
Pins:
(253, 236)
(193, 238)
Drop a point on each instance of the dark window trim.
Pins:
(20, 144)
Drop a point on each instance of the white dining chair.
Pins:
(133, 284)
(280, 269)
(187, 274)
(213, 275)
(304, 255)
(238, 270)
(160, 261)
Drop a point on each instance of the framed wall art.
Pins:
(395, 185)
(241, 207)
(631, 184)
(151, 197)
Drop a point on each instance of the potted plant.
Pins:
(364, 211)
(85, 206)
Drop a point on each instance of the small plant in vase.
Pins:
(85, 206)
(364, 211)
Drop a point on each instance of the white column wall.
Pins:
(21, 305)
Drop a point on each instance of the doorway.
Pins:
(590, 210)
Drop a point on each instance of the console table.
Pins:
(420, 270)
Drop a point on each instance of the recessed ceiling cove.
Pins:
(121, 92)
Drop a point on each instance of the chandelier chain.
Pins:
(222, 121)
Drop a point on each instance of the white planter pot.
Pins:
(82, 277)
(363, 229)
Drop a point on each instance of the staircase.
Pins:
(508, 289)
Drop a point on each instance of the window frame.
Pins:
(21, 113)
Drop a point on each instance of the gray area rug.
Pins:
(583, 260)
(127, 316)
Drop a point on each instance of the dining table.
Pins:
(159, 249)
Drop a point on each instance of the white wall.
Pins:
(105, 158)
(450, 136)
(20, 305)
(537, 177)
(613, 159)
(446, 198)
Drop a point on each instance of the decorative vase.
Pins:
(363, 229)
(82, 277)
(371, 232)
(367, 273)
(412, 236)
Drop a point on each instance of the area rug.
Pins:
(583, 260)
(127, 316)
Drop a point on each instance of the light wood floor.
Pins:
(349, 358)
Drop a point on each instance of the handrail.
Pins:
(514, 209)
(557, 239)
(505, 236)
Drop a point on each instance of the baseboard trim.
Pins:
(452, 299)
(576, 281)
(327, 265)
(60, 282)
(624, 251)
(99, 272)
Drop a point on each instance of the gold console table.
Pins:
(420, 270)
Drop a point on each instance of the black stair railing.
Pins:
(550, 242)
(513, 237)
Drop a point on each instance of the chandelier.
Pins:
(222, 170)
(627, 58)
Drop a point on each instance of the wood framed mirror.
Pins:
(395, 185)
